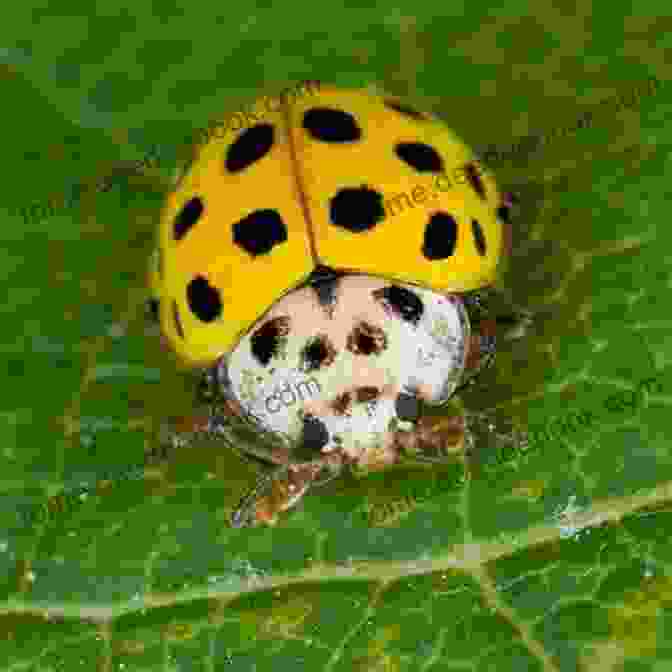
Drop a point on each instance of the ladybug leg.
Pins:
(435, 438)
(515, 325)
(492, 435)
(185, 428)
(280, 490)
(152, 304)
(152, 310)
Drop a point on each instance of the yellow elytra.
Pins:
(305, 186)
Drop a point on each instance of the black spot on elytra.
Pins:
(188, 216)
(266, 341)
(260, 232)
(177, 320)
(366, 339)
(203, 299)
(331, 125)
(479, 237)
(440, 237)
(403, 302)
(404, 109)
(420, 156)
(317, 353)
(357, 209)
(475, 180)
(407, 407)
(250, 146)
(314, 354)
(314, 437)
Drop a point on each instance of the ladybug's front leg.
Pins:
(434, 438)
(212, 422)
(280, 490)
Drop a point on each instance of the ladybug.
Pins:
(324, 323)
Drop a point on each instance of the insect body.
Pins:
(323, 322)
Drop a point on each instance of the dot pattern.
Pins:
(331, 125)
(440, 237)
(366, 339)
(203, 299)
(356, 209)
(317, 353)
(260, 232)
(402, 302)
(419, 156)
(187, 217)
(354, 374)
(268, 339)
(251, 146)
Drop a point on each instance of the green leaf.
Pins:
(553, 555)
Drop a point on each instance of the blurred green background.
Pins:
(555, 561)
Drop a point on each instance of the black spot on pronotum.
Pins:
(260, 232)
(324, 281)
(177, 320)
(250, 146)
(357, 209)
(367, 393)
(203, 299)
(404, 109)
(315, 436)
(331, 125)
(475, 180)
(317, 353)
(420, 156)
(479, 237)
(314, 354)
(341, 405)
(440, 237)
(366, 339)
(407, 407)
(403, 302)
(188, 216)
(266, 341)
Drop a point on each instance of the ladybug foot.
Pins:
(515, 326)
(434, 439)
(180, 432)
(277, 492)
(152, 311)
(492, 436)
